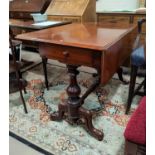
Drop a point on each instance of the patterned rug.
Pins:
(61, 138)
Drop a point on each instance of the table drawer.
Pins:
(114, 19)
(70, 55)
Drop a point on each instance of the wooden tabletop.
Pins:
(87, 35)
(29, 24)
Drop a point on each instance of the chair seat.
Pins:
(138, 57)
(136, 127)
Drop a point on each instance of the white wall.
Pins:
(116, 5)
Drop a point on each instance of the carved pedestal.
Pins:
(72, 110)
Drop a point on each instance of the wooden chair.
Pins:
(14, 67)
(137, 61)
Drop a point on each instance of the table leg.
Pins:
(72, 107)
(86, 119)
(44, 61)
(120, 76)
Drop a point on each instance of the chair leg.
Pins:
(25, 90)
(44, 61)
(120, 75)
(22, 98)
(20, 77)
(20, 90)
(131, 87)
(20, 74)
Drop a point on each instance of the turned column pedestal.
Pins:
(71, 110)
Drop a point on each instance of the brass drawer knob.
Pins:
(66, 53)
(21, 14)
